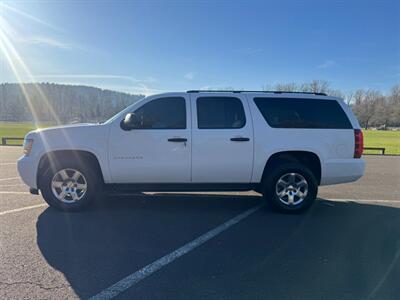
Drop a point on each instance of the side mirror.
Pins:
(130, 122)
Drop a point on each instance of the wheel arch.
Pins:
(307, 158)
(50, 159)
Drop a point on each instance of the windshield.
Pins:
(121, 113)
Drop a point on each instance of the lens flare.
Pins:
(16, 63)
(21, 70)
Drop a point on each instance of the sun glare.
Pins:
(16, 62)
(20, 68)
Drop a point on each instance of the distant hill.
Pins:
(71, 103)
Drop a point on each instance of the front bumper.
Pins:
(27, 168)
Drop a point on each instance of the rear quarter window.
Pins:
(302, 113)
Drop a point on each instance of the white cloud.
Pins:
(134, 89)
(145, 90)
(28, 16)
(121, 83)
(45, 41)
(220, 86)
(96, 76)
(327, 64)
(10, 26)
(190, 75)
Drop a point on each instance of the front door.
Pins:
(159, 149)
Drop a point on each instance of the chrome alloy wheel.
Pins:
(291, 188)
(69, 185)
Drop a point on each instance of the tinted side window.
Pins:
(220, 113)
(302, 113)
(162, 113)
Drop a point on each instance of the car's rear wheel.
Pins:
(290, 187)
(70, 186)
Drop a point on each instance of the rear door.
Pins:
(222, 138)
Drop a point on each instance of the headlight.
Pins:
(28, 143)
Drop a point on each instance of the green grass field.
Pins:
(11, 129)
(372, 138)
(386, 139)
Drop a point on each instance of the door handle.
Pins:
(240, 139)
(177, 140)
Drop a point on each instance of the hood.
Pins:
(69, 132)
(74, 136)
(62, 127)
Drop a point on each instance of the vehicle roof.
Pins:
(266, 94)
(269, 92)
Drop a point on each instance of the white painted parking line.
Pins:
(8, 163)
(9, 185)
(6, 212)
(363, 200)
(15, 193)
(146, 271)
(11, 178)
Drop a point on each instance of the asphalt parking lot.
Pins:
(204, 246)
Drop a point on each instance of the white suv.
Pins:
(281, 144)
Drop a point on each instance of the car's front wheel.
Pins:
(290, 187)
(70, 186)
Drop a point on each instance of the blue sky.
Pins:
(157, 46)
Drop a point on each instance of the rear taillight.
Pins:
(358, 143)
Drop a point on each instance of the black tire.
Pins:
(93, 191)
(270, 182)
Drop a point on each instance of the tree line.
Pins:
(60, 103)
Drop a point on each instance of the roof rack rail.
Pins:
(239, 91)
